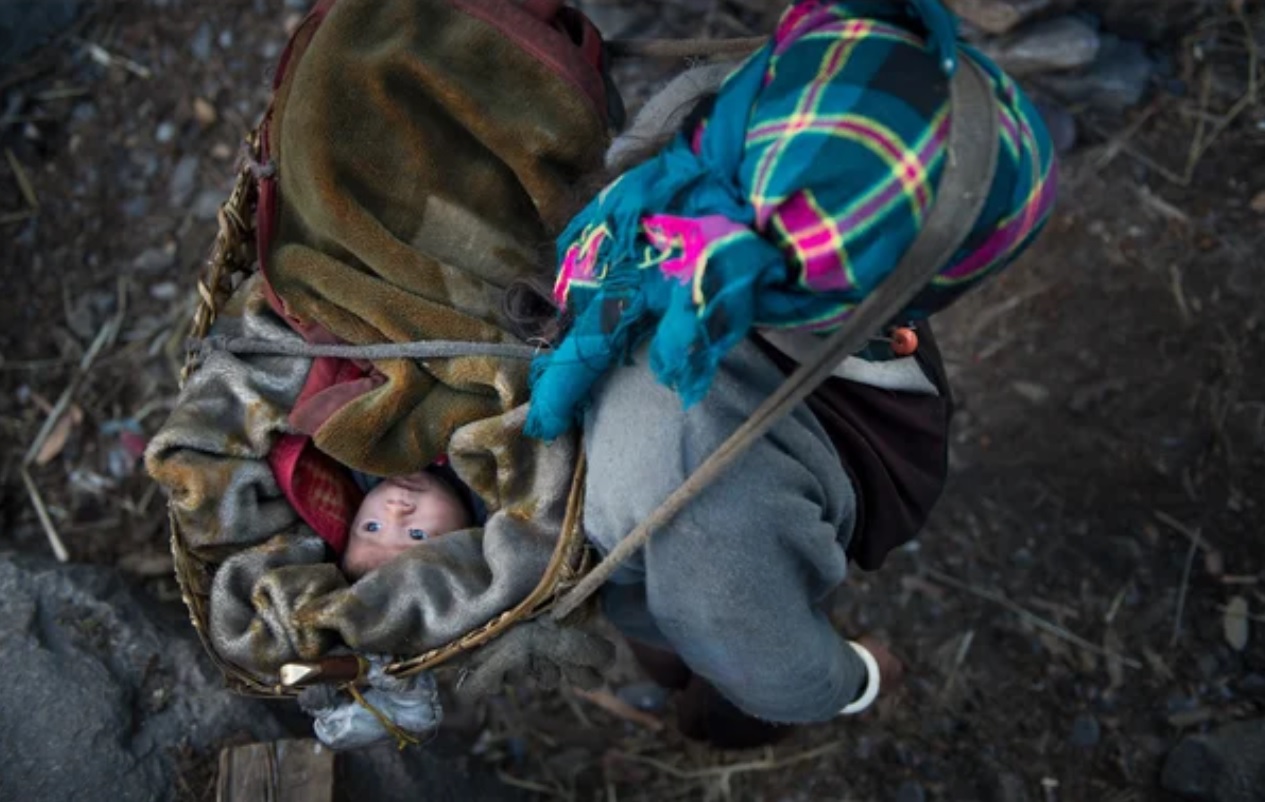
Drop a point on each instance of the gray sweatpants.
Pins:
(736, 583)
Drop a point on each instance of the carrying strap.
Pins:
(964, 186)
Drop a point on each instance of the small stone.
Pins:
(225, 39)
(1022, 558)
(619, 20)
(182, 183)
(997, 16)
(204, 112)
(1008, 787)
(1209, 665)
(1235, 623)
(164, 291)
(1086, 731)
(1060, 123)
(1258, 202)
(165, 132)
(1117, 79)
(1036, 393)
(1225, 766)
(200, 44)
(222, 151)
(1060, 44)
(645, 696)
(154, 260)
(1252, 685)
(207, 205)
(1094, 394)
(135, 207)
(1214, 562)
(83, 113)
(910, 791)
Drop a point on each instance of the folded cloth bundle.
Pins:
(424, 153)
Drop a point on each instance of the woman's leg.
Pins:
(735, 584)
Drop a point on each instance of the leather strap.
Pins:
(964, 186)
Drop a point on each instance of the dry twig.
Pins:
(1179, 295)
(1031, 617)
(528, 785)
(24, 183)
(1192, 535)
(618, 707)
(1181, 593)
(105, 336)
(716, 772)
(684, 48)
(41, 512)
(107, 59)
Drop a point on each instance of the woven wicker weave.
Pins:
(232, 260)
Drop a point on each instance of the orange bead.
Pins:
(904, 341)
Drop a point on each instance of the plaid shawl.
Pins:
(786, 203)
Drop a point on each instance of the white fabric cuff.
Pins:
(870, 693)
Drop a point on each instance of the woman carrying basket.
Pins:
(700, 278)
(691, 286)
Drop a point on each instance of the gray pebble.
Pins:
(1117, 79)
(182, 183)
(154, 260)
(1059, 44)
(1006, 787)
(1209, 665)
(136, 206)
(225, 39)
(997, 16)
(1252, 685)
(645, 696)
(1227, 765)
(165, 132)
(910, 791)
(1086, 731)
(1060, 123)
(200, 44)
(164, 291)
(207, 205)
(617, 20)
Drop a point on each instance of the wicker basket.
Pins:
(232, 260)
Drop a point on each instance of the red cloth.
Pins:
(320, 488)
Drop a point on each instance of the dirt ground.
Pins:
(1069, 613)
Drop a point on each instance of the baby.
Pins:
(400, 513)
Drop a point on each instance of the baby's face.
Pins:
(399, 514)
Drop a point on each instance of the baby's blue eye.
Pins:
(417, 534)
(372, 526)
